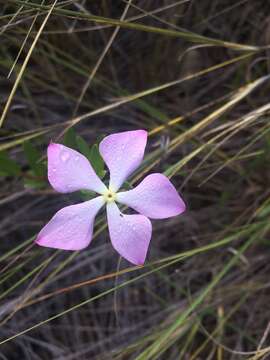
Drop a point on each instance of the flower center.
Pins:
(109, 196)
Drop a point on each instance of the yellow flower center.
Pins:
(109, 196)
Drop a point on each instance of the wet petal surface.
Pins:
(71, 228)
(123, 153)
(155, 197)
(69, 171)
(130, 234)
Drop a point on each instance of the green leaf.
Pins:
(34, 183)
(87, 195)
(97, 161)
(8, 167)
(70, 139)
(83, 147)
(92, 154)
(127, 185)
(33, 157)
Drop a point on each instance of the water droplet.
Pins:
(76, 158)
(64, 156)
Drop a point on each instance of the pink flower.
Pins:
(155, 197)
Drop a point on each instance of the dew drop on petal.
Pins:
(64, 156)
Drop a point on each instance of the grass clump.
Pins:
(195, 76)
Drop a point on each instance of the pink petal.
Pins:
(71, 228)
(69, 171)
(123, 153)
(130, 234)
(155, 197)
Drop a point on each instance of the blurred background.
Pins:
(195, 75)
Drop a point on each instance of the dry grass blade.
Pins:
(140, 27)
(24, 65)
(100, 60)
(195, 75)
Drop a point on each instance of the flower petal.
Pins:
(155, 197)
(69, 171)
(130, 234)
(71, 228)
(123, 153)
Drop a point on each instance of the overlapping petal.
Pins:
(130, 234)
(71, 228)
(155, 197)
(69, 171)
(123, 153)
